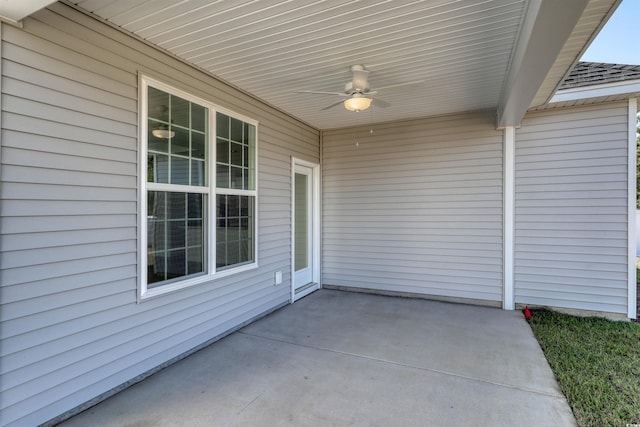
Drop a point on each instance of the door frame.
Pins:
(315, 227)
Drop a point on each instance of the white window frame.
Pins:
(145, 292)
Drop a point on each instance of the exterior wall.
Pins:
(415, 207)
(71, 328)
(571, 209)
(637, 234)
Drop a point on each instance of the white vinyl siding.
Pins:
(415, 207)
(571, 209)
(71, 327)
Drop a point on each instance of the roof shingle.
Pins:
(593, 73)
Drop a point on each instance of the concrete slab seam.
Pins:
(406, 365)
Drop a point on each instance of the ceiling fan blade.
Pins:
(332, 105)
(416, 82)
(318, 92)
(377, 102)
(359, 82)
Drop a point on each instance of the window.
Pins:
(196, 227)
(235, 182)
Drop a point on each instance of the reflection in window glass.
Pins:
(198, 147)
(198, 117)
(235, 230)
(235, 162)
(176, 154)
(177, 127)
(175, 235)
(189, 223)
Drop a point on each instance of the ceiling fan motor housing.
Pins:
(348, 88)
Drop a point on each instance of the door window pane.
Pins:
(301, 222)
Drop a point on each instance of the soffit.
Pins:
(593, 19)
(459, 49)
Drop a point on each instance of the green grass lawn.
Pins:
(596, 363)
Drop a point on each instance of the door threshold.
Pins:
(305, 290)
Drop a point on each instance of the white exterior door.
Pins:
(305, 229)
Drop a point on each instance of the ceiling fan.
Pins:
(358, 93)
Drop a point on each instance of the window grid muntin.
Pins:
(209, 189)
(235, 230)
(177, 223)
(174, 239)
(235, 181)
(235, 153)
(163, 118)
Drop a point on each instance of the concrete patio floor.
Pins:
(349, 359)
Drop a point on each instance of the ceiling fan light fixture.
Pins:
(163, 133)
(357, 103)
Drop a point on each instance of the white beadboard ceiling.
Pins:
(461, 50)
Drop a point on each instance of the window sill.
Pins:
(183, 284)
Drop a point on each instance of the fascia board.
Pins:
(14, 11)
(597, 91)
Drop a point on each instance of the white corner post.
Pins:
(1, 75)
(509, 146)
(631, 215)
